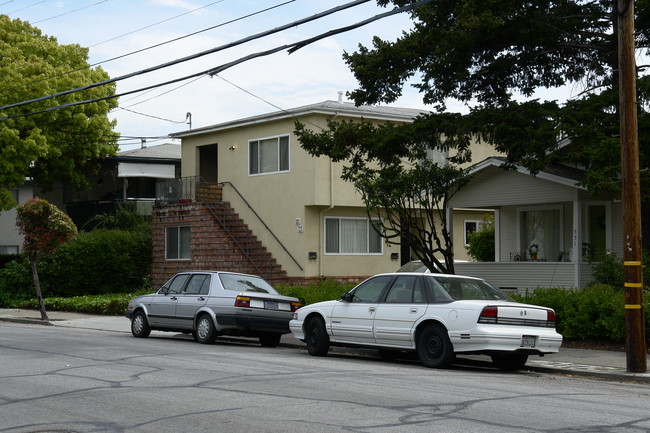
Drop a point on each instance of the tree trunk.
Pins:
(37, 285)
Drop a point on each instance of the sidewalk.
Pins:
(579, 362)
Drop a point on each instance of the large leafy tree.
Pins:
(45, 227)
(493, 55)
(405, 192)
(54, 145)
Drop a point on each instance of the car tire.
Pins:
(139, 325)
(205, 331)
(510, 362)
(270, 340)
(318, 342)
(434, 347)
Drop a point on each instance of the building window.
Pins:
(268, 155)
(541, 233)
(470, 227)
(178, 243)
(351, 236)
(8, 249)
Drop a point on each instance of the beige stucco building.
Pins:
(298, 206)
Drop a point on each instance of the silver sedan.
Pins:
(208, 304)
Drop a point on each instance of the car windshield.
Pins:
(245, 283)
(459, 288)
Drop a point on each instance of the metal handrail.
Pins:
(262, 221)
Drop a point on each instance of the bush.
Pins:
(97, 262)
(610, 270)
(322, 291)
(7, 258)
(112, 304)
(594, 313)
(481, 242)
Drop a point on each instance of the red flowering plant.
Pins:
(45, 227)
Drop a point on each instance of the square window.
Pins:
(351, 236)
(268, 155)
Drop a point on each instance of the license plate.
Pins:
(527, 341)
(270, 305)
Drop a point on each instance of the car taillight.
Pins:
(242, 301)
(488, 315)
(295, 306)
(550, 319)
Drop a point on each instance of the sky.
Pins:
(112, 28)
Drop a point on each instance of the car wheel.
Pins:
(434, 348)
(205, 332)
(139, 325)
(318, 342)
(270, 340)
(510, 362)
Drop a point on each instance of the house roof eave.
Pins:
(543, 174)
(323, 108)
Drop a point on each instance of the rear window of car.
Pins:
(459, 288)
(245, 283)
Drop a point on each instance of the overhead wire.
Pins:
(156, 23)
(151, 46)
(214, 71)
(191, 57)
(69, 12)
(26, 7)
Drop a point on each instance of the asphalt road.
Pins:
(57, 379)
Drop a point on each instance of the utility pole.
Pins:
(631, 200)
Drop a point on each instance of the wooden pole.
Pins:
(631, 200)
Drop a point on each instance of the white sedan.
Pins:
(435, 315)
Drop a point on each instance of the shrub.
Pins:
(6, 258)
(594, 313)
(610, 270)
(322, 291)
(97, 262)
(481, 242)
(16, 281)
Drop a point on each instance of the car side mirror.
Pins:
(347, 297)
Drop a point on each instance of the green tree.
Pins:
(55, 145)
(45, 227)
(492, 55)
(405, 193)
(481, 242)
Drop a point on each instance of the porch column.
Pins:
(576, 247)
(497, 235)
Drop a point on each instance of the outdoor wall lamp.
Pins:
(233, 147)
(394, 256)
(313, 255)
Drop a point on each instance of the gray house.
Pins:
(548, 229)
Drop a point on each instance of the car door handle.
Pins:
(414, 310)
(201, 298)
(174, 298)
(372, 309)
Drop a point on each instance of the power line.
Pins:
(152, 46)
(69, 12)
(26, 7)
(156, 23)
(214, 71)
(191, 57)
